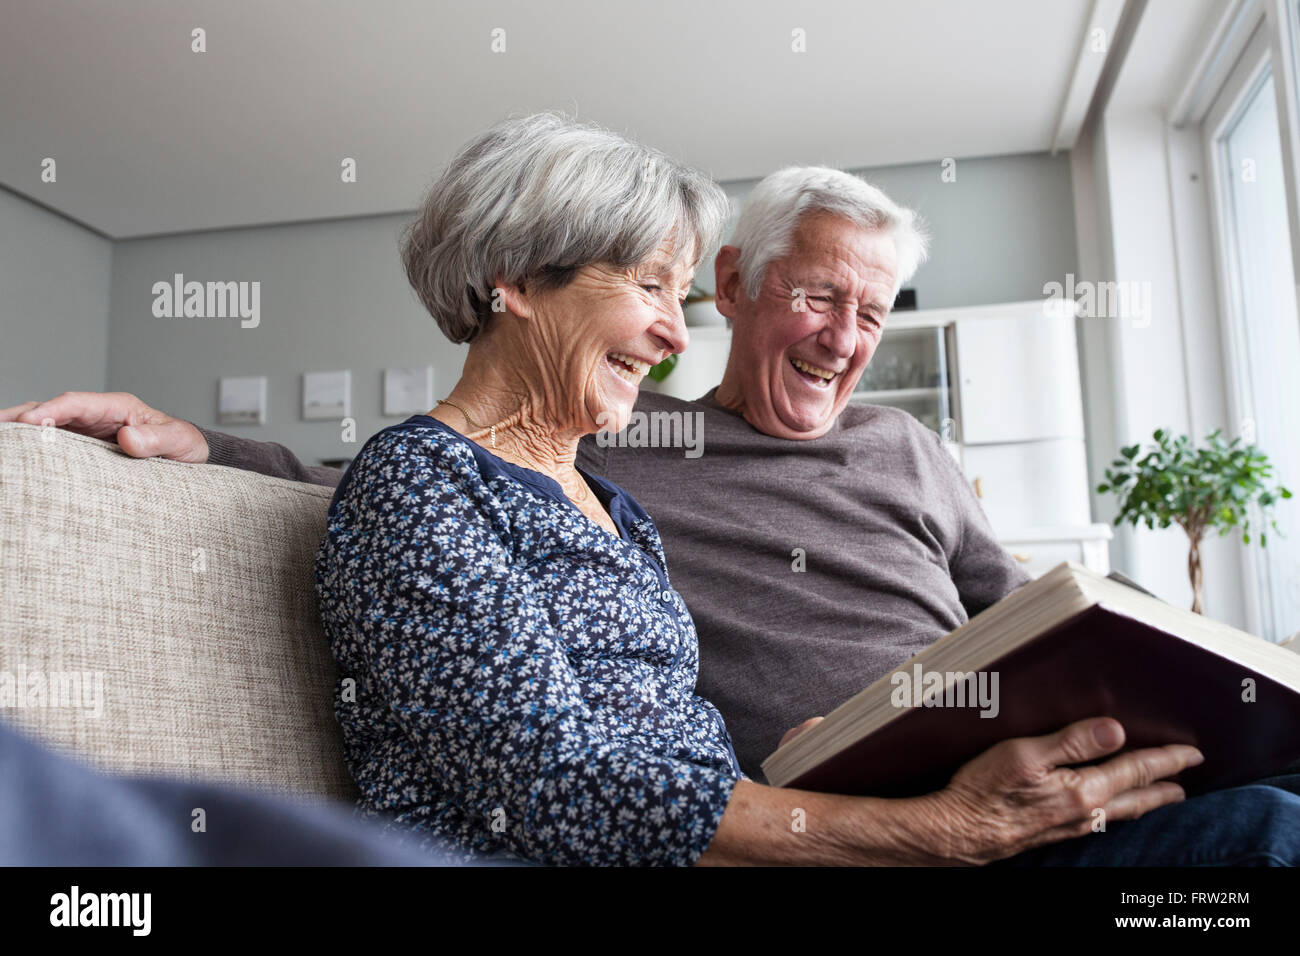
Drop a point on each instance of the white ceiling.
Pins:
(1166, 45)
(151, 138)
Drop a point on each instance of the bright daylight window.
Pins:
(1266, 331)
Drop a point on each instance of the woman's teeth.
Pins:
(822, 373)
(627, 367)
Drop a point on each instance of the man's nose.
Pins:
(839, 334)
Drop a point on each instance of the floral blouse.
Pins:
(513, 679)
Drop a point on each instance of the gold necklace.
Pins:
(469, 421)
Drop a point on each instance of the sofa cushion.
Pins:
(187, 590)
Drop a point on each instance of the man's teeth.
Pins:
(635, 372)
(803, 366)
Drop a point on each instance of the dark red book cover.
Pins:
(1098, 664)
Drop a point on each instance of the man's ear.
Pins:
(726, 277)
(512, 297)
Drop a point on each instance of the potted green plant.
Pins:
(1219, 484)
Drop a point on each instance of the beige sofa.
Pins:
(177, 601)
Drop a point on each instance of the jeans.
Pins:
(1253, 825)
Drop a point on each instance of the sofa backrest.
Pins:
(184, 593)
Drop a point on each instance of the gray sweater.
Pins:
(811, 568)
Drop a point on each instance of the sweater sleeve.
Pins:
(419, 590)
(981, 568)
(267, 458)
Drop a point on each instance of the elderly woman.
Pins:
(524, 670)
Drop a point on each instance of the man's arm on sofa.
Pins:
(264, 457)
(145, 432)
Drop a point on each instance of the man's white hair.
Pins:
(773, 211)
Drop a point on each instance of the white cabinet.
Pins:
(910, 370)
(1021, 431)
(1018, 377)
(1038, 550)
(1030, 484)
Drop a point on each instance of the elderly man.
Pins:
(818, 544)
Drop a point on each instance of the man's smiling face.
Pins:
(798, 350)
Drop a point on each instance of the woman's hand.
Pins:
(1018, 794)
(1024, 793)
(141, 431)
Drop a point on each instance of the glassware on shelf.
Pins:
(910, 371)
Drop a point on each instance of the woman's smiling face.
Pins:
(600, 334)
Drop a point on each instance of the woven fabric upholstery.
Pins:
(189, 588)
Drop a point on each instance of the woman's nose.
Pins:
(673, 333)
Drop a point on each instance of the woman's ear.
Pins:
(511, 297)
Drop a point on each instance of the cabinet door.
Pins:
(1030, 484)
(1039, 557)
(1018, 379)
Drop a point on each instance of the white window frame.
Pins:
(1268, 51)
(1282, 27)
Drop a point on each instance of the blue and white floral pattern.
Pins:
(524, 680)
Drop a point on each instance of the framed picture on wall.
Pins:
(242, 401)
(326, 395)
(408, 391)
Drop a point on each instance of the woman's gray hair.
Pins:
(773, 210)
(537, 198)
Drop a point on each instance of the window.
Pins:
(1262, 325)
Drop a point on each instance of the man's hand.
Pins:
(1024, 793)
(794, 732)
(141, 431)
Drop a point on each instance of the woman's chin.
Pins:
(613, 421)
(613, 416)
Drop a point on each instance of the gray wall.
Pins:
(1002, 229)
(54, 283)
(334, 296)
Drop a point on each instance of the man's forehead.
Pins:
(838, 263)
(822, 233)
